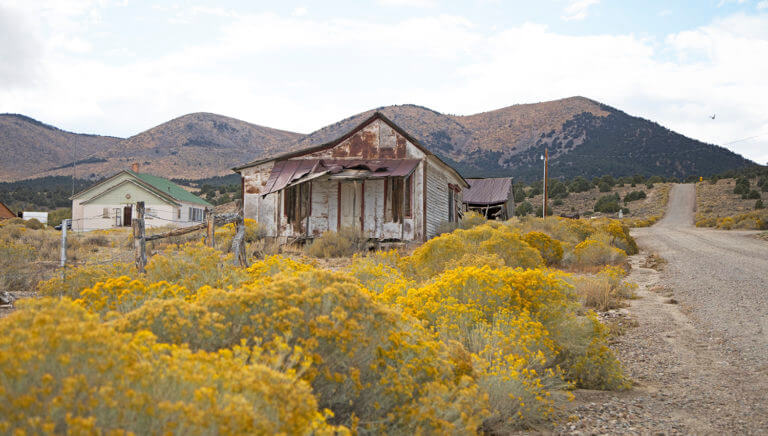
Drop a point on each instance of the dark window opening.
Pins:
(398, 198)
(296, 205)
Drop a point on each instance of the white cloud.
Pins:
(300, 73)
(410, 3)
(577, 9)
(300, 12)
(762, 5)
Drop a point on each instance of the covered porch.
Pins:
(372, 197)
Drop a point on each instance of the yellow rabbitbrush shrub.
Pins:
(518, 325)
(123, 295)
(592, 252)
(63, 371)
(434, 256)
(377, 370)
(550, 249)
(77, 279)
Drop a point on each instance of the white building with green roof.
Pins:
(112, 203)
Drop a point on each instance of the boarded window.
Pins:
(296, 205)
(398, 198)
(451, 206)
(105, 212)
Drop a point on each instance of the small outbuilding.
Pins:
(112, 203)
(492, 197)
(376, 178)
(5, 212)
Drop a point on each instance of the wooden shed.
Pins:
(376, 178)
(492, 197)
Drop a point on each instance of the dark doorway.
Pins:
(127, 212)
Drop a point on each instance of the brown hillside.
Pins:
(193, 146)
(519, 126)
(30, 148)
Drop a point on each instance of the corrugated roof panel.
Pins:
(488, 191)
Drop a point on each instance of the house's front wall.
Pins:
(376, 141)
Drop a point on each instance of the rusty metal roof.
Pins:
(488, 191)
(292, 171)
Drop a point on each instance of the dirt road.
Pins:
(699, 352)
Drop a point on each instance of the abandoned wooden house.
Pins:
(492, 198)
(111, 203)
(376, 179)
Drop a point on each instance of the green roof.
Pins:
(168, 187)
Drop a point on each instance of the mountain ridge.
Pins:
(584, 137)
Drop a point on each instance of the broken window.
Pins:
(296, 206)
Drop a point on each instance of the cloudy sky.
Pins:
(120, 67)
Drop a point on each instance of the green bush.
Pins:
(608, 203)
(604, 187)
(758, 204)
(523, 208)
(633, 196)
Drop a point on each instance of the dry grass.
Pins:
(717, 206)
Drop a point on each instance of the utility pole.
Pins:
(544, 198)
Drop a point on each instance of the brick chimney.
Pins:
(135, 167)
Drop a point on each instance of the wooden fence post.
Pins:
(139, 243)
(238, 241)
(209, 218)
(63, 253)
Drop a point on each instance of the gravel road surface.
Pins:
(699, 352)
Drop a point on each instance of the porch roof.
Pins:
(290, 172)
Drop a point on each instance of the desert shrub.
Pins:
(550, 249)
(97, 240)
(608, 203)
(472, 219)
(33, 224)
(759, 204)
(16, 271)
(374, 368)
(594, 366)
(76, 279)
(523, 208)
(337, 244)
(380, 275)
(742, 186)
(604, 187)
(194, 266)
(725, 223)
(537, 212)
(432, 257)
(604, 291)
(592, 252)
(634, 196)
(751, 195)
(62, 371)
(122, 294)
(580, 184)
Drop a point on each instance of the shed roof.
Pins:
(488, 191)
